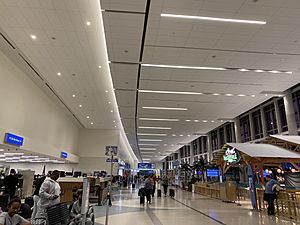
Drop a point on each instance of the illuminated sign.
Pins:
(145, 166)
(231, 155)
(212, 172)
(13, 139)
(64, 155)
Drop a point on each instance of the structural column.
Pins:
(209, 148)
(237, 130)
(252, 132)
(277, 114)
(290, 114)
(263, 121)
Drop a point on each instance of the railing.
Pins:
(211, 190)
(287, 204)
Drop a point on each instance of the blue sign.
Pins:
(212, 172)
(145, 166)
(13, 139)
(64, 155)
(112, 160)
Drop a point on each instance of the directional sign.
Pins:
(112, 160)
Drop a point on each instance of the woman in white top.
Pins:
(11, 217)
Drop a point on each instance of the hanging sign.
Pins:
(13, 139)
(231, 155)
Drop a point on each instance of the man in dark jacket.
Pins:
(11, 182)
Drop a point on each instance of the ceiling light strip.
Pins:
(213, 19)
(164, 108)
(156, 128)
(144, 134)
(159, 119)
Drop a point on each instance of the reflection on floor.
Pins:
(186, 209)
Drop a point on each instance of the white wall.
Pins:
(38, 167)
(28, 112)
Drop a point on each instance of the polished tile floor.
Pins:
(186, 209)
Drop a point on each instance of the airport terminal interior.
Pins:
(149, 112)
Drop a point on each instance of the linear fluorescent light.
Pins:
(164, 108)
(158, 119)
(144, 144)
(183, 67)
(151, 149)
(213, 19)
(149, 140)
(156, 128)
(171, 92)
(144, 134)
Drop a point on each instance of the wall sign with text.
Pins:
(13, 139)
(231, 155)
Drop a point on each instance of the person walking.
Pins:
(11, 182)
(272, 187)
(165, 183)
(154, 179)
(36, 196)
(149, 188)
(49, 195)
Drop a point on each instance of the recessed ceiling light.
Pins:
(215, 94)
(149, 140)
(158, 119)
(252, 96)
(187, 120)
(99, 67)
(188, 135)
(241, 95)
(59, 74)
(172, 144)
(87, 117)
(243, 70)
(174, 135)
(109, 102)
(204, 121)
(184, 67)
(80, 106)
(164, 108)
(222, 121)
(171, 92)
(274, 71)
(212, 121)
(114, 121)
(145, 144)
(73, 96)
(33, 37)
(151, 149)
(115, 126)
(289, 72)
(266, 95)
(229, 94)
(111, 111)
(106, 91)
(213, 19)
(165, 144)
(144, 134)
(88, 23)
(157, 128)
(259, 71)
(196, 120)
(181, 135)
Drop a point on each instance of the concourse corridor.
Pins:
(186, 209)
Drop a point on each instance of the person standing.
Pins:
(11, 217)
(165, 183)
(11, 182)
(36, 195)
(149, 188)
(154, 179)
(49, 195)
(272, 186)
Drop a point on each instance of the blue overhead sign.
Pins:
(64, 155)
(13, 139)
(112, 160)
(212, 172)
(145, 166)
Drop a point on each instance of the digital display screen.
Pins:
(13, 139)
(145, 166)
(212, 172)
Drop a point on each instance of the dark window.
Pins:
(222, 137)
(204, 144)
(282, 114)
(185, 151)
(245, 129)
(188, 150)
(195, 158)
(181, 153)
(195, 147)
(296, 103)
(257, 124)
(271, 122)
(229, 136)
(176, 156)
(214, 140)
(200, 147)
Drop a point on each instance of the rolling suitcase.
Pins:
(159, 193)
(172, 193)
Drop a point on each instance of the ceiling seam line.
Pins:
(147, 11)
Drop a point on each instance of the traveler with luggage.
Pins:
(149, 188)
(271, 192)
(165, 183)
